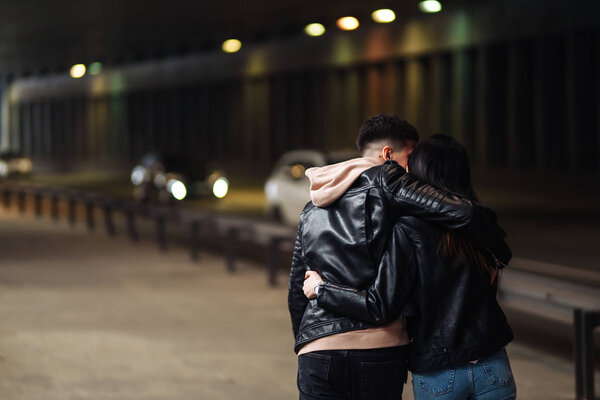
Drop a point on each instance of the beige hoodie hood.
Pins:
(329, 183)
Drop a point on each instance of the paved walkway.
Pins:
(88, 317)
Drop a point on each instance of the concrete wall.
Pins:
(516, 81)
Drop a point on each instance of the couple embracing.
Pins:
(395, 271)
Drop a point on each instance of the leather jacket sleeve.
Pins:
(446, 210)
(383, 300)
(297, 302)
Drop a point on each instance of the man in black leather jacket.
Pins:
(346, 240)
(446, 329)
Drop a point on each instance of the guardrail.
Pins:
(561, 301)
(549, 297)
(585, 322)
(201, 224)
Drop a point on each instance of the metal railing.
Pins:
(201, 224)
(585, 322)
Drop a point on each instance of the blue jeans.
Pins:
(489, 379)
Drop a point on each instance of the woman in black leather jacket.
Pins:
(457, 329)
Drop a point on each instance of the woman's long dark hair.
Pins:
(442, 161)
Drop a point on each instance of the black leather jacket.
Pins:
(345, 241)
(453, 314)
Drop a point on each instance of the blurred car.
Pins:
(159, 178)
(14, 164)
(287, 188)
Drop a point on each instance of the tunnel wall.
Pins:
(519, 87)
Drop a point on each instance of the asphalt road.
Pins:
(89, 317)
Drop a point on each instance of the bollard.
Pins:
(89, 214)
(108, 221)
(232, 239)
(131, 229)
(274, 245)
(194, 231)
(585, 322)
(37, 198)
(54, 207)
(161, 235)
(72, 208)
(21, 200)
(6, 195)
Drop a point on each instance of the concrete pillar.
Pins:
(388, 87)
(434, 94)
(354, 111)
(5, 142)
(495, 104)
(520, 106)
(415, 95)
(480, 136)
(373, 96)
(400, 89)
(581, 120)
(261, 120)
(550, 111)
(16, 135)
(37, 138)
(27, 129)
(334, 94)
(463, 99)
(597, 110)
(48, 135)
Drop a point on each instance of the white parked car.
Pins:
(287, 188)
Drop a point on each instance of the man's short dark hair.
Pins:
(385, 127)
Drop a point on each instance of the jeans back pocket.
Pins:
(313, 373)
(436, 383)
(497, 368)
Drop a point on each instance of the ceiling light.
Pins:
(383, 15)
(314, 29)
(77, 71)
(231, 45)
(430, 6)
(347, 23)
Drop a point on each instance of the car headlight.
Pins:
(220, 187)
(271, 190)
(177, 189)
(139, 175)
(24, 166)
(3, 169)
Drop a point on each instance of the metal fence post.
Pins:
(54, 207)
(585, 322)
(6, 195)
(232, 238)
(21, 200)
(72, 208)
(194, 232)
(89, 214)
(131, 229)
(37, 198)
(161, 234)
(588, 355)
(274, 244)
(108, 220)
(578, 353)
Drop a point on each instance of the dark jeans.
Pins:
(377, 374)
